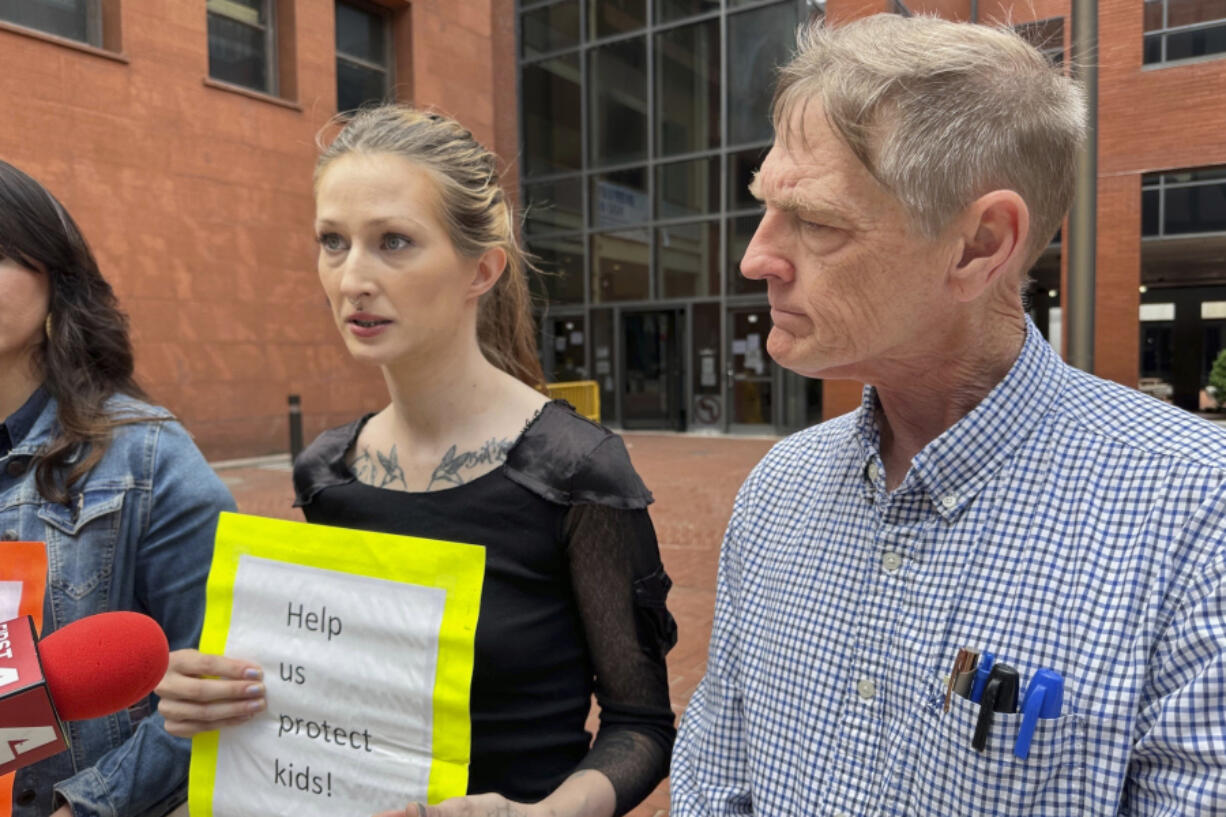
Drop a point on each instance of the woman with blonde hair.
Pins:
(419, 260)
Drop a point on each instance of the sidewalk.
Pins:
(694, 479)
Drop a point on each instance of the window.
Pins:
(1184, 29)
(1047, 36)
(1183, 202)
(79, 20)
(759, 41)
(607, 17)
(242, 43)
(550, 28)
(363, 57)
(550, 117)
(687, 88)
(617, 94)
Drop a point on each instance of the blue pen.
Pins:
(1044, 699)
(981, 676)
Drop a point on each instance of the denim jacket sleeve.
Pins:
(146, 775)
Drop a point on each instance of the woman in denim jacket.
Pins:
(114, 486)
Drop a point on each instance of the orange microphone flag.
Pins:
(23, 583)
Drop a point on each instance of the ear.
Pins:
(490, 267)
(993, 231)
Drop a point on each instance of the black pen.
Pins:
(999, 695)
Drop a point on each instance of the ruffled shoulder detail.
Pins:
(569, 460)
(322, 463)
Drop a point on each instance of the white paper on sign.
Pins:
(10, 600)
(349, 663)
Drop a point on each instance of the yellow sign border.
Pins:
(456, 568)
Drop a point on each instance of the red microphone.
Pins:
(89, 668)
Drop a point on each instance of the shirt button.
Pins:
(891, 562)
(949, 501)
(873, 471)
(867, 689)
(843, 814)
(8, 536)
(16, 467)
(26, 797)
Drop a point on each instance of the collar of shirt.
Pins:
(953, 468)
(18, 424)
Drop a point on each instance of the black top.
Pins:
(573, 601)
(18, 424)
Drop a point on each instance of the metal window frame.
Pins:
(522, 12)
(1050, 51)
(92, 11)
(269, 30)
(1167, 29)
(385, 16)
(721, 216)
(1157, 181)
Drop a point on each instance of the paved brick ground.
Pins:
(694, 479)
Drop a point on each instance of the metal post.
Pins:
(295, 426)
(1082, 238)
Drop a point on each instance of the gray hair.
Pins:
(941, 113)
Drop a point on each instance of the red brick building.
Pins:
(181, 135)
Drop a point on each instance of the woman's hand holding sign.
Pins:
(202, 692)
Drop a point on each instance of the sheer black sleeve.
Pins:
(620, 587)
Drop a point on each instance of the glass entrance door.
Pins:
(651, 382)
(751, 372)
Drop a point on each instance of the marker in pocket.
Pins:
(999, 695)
(981, 676)
(1044, 699)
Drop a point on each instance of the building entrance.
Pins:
(652, 381)
(751, 372)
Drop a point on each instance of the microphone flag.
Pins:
(23, 583)
(29, 727)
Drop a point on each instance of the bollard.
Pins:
(295, 426)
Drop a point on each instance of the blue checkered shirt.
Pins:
(1066, 522)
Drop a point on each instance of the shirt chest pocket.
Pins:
(81, 539)
(953, 778)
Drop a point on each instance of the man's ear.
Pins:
(490, 267)
(993, 230)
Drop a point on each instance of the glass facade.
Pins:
(641, 126)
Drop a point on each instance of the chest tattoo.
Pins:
(492, 452)
(379, 469)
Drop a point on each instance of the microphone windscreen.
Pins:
(103, 663)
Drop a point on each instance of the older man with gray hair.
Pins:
(998, 586)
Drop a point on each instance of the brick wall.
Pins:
(197, 200)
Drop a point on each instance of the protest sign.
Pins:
(366, 641)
